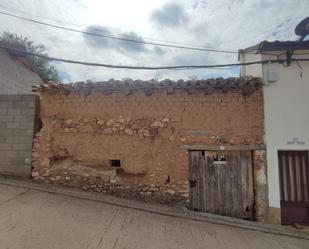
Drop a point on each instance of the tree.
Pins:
(42, 66)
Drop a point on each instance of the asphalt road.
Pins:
(39, 220)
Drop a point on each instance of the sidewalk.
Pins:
(157, 209)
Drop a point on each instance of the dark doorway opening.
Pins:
(294, 187)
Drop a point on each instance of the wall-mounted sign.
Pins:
(295, 141)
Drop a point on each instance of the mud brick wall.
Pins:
(83, 133)
(18, 114)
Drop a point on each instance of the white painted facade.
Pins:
(15, 78)
(286, 108)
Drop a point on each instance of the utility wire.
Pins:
(119, 38)
(178, 45)
(182, 67)
(110, 30)
(268, 29)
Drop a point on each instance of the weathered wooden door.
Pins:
(221, 182)
(294, 186)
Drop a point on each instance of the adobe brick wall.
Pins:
(17, 125)
(82, 133)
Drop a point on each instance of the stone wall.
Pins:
(82, 133)
(18, 114)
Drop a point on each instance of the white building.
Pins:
(17, 75)
(286, 108)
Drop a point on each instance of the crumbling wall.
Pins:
(82, 133)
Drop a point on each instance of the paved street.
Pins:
(34, 219)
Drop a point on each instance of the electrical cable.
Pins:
(80, 26)
(179, 46)
(119, 38)
(184, 67)
(268, 29)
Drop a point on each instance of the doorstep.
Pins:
(176, 212)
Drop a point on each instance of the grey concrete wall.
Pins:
(15, 78)
(18, 122)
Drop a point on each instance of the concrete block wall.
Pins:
(18, 122)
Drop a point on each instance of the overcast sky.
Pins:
(225, 24)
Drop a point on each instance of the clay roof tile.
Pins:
(129, 85)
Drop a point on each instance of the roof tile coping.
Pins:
(265, 46)
(248, 84)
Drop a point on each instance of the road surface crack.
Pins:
(14, 197)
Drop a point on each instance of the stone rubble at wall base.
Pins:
(168, 194)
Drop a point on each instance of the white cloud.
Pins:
(220, 24)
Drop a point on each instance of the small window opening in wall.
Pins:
(219, 159)
(168, 180)
(116, 163)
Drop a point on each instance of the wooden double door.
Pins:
(221, 182)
